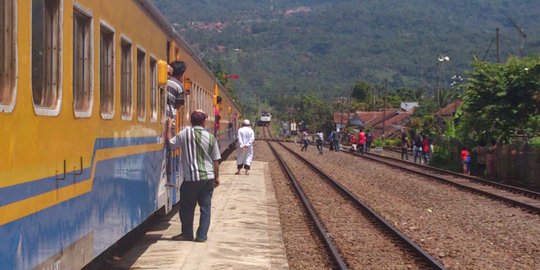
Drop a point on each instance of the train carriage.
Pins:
(81, 116)
(265, 119)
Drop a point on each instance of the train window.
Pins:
(8, 55)
(106, 73)
(141, 84)
(46, 56)
(153, 89)
(83, 82)
(126, 82)
(162, 103)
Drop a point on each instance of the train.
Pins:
(82, 112)
(264, 119)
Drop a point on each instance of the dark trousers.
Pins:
(404, 153)
(191, 193)
(320, 145)
(305, 145)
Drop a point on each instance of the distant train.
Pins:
(265, 119)
(82, 110)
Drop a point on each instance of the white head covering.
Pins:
(246, 122)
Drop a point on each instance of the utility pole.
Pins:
(437, 83)
(497, 45)
(384, 109)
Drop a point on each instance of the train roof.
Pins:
(165, 24)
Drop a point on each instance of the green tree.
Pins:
(316, 113)
(362, 91)
(501, 100)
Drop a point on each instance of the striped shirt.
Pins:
(199, 151)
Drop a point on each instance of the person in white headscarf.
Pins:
(246, 137)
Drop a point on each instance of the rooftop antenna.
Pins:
(522, 35)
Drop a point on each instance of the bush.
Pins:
(377, 143)
(535, 142)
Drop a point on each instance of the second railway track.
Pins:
(526, 199)
(363, 238)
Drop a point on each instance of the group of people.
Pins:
(485, 158)
(362, 141)
(421, 147)
(200, 157)
(319, 140)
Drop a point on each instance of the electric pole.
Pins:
(384, 109)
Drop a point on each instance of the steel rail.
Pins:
(393, 230)
(320, 228)
(515, 189)
(488, 194)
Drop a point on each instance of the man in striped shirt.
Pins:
(200, 159)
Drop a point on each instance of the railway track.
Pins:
(356, 236)
(526, 199)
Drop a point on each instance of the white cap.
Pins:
(246, 122)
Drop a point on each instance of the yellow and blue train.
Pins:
(82, 110)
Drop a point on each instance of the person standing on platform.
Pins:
(200, 159)
(246, 137)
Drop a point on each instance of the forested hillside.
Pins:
(288, 47)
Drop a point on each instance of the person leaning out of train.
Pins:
(175, 92)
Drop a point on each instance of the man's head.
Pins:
(198, 118)
(179, 67)
(169, 71)
(246, 123)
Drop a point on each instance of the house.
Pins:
(450, 110)
(408, 106)
(341, 120)
(392, 126)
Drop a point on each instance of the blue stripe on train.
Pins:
(23, 191)
(123, 195)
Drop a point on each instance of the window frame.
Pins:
(154, 89)
(9, 107)
(38, 109)
(77, 8)
(141, 50)
(162, 106)
(125, 39)
(104, 25)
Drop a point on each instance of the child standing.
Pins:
(466, 160)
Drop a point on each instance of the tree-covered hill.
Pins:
(289, 47)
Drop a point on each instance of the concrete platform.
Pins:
(244, 233)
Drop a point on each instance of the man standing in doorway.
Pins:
(200, 159)
(246, 137)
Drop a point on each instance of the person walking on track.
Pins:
(200, 159)
(246, 137)
(305, 141)
(320, 138)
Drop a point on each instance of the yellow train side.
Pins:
(79, 178)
